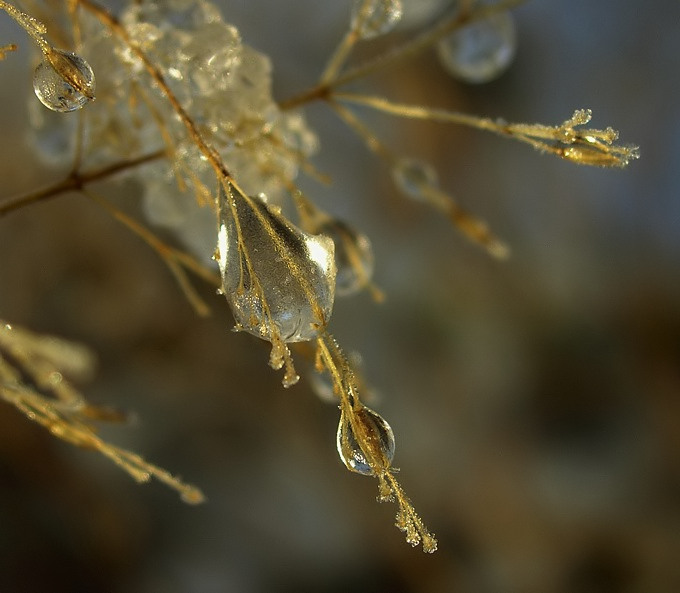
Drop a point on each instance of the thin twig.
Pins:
(168, 254)
(76, 181)
(462, 17)
(474, 229)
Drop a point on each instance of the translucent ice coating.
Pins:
(377, 438)
(63, 81)
(279, 280)
(223, 84)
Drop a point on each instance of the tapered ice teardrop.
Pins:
(379, 17)
(482, 50)
(376, 450)
(63, 81)
(278, 280)
(353, 256)
(412, 177)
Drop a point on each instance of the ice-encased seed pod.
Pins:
(412, 177)
(353, 256)
(278, 280)
(374, 434)
(63, 81)
(379, 18)
(480, 51)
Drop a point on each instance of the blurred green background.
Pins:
(536, 402)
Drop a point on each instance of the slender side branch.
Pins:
(464, 16)
(33, 370)
(585, 146)
(35, 29)
(76, 181)
(363, 437)
(474, 229)
(173, 258)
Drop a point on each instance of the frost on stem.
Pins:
(34, 373)
(586, 146)
(63, 81)
(366, 443)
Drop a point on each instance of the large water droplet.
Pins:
(63, 81)
(377, 439)
(353, 256)
(277, 279)
(412, 177)
(482, 50)
(379, 17)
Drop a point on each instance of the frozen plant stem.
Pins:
(35, 29)
(32, 378)
(60, 69)
(76, 181)
(279, 279)
(358, 423)
(107, 19)
(585, 146)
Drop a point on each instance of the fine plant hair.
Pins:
(184, 106)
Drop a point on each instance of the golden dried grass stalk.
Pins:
(33, 378)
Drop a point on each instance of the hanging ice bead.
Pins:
(379, 17)
(376, 450)
(63, 81)
(278, 280)
(482, 50)
(353, 256)
(413, 177)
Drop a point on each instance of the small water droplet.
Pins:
(277, 278)
(380, 17)
(412, 177)
(353, 256)
(376, 437)
(63, 81)
(54, 378)
(482, 50)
